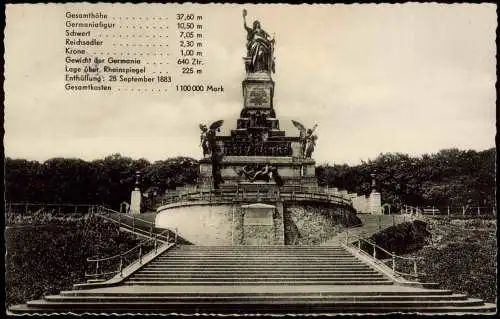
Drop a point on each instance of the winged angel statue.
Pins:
(308, 140)
(207, 137)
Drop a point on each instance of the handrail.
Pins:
(391, 254)
(101, 211)
(123, 254)
(139, 219)
(103, 274)
(49, 204)
(128, 216)
(143, 242)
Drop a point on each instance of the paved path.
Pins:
(372, 224)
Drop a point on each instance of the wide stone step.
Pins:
(263, 277)
(246, 293)
(260, 251)
(267, 308)
(240, 276)
(312, 249)
(259, 248)
(249, 263)
(300, 298)
(381, 305)
(263, 267)
(261, 260)
(268, 256)
(291, 258)
(274, 260)
(268, 281)
(255, 271)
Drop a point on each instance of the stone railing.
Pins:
(215, 196)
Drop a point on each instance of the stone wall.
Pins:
(223, 224)
(220, 225)
(204, 225)
(311, 224)
(361, 204)
(370, 204)
(262, 224)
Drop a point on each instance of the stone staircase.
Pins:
(259, 280)
(251, 265)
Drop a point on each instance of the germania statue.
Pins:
(260, 47)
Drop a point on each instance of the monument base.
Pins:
(293, 171)
(240, 223)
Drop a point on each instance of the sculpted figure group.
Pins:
(263, 173)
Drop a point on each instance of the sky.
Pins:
(407, 78)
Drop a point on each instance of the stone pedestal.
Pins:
(293, 171)
(260, 224)
(375, 203)
(258, 92)
(135, 202)
(258, 141)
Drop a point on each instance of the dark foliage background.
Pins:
(104, 181)
(450, 177)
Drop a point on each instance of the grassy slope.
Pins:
(47, 258)
(460, 255)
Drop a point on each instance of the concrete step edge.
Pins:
(466, 302)
(173, 294)
(416, 297)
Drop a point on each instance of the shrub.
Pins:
(402, 238)
(44, 259)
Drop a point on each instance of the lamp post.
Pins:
(136, 196)
(375, 197)
(373, 181)
(137, 180)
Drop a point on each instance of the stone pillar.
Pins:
(375, 197)
(375, 203)
(136, 197)
(279, 224)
